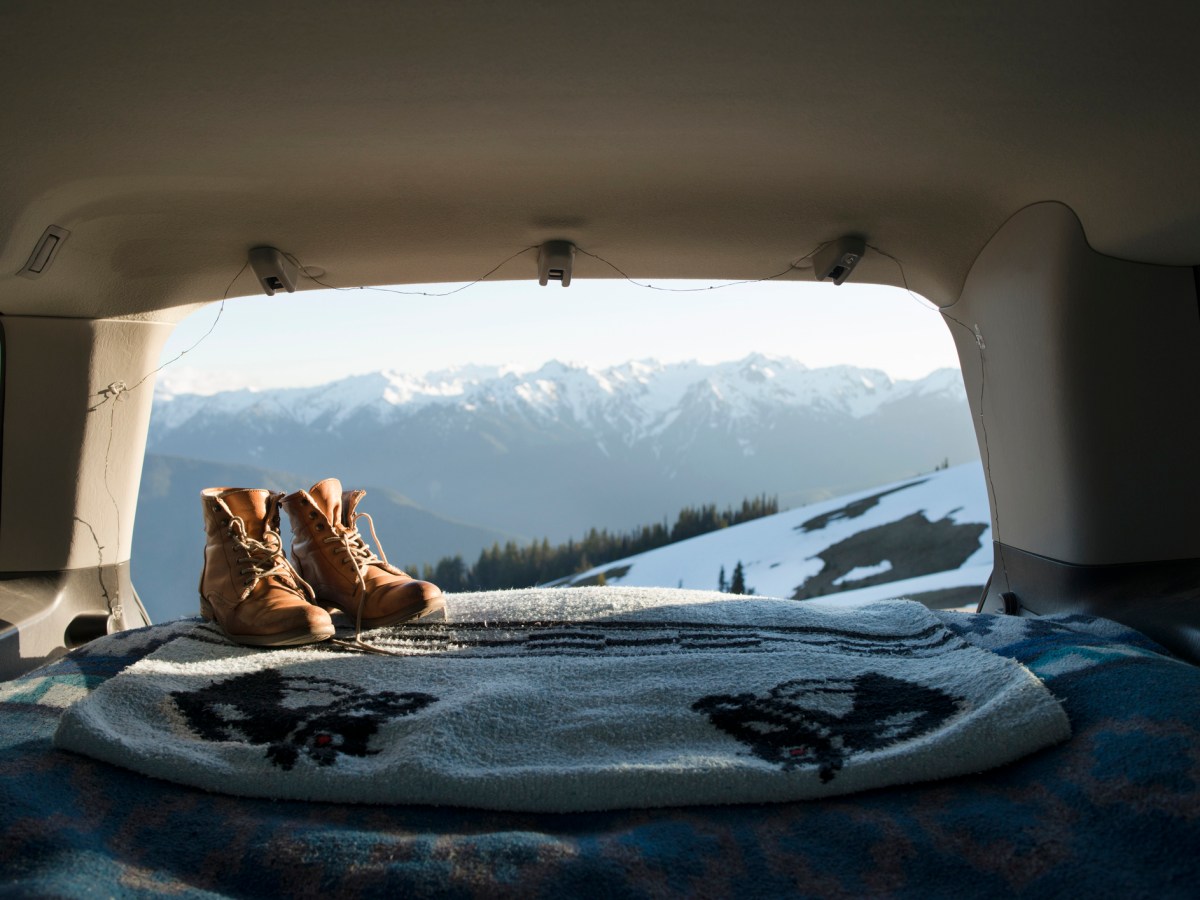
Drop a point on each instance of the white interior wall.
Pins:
(1090, 381)
(57, 463)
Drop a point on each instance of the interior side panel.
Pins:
(74, 440)
(1083, 374)
(1083, 393)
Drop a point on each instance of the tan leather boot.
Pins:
(247, 586)
(332, 556)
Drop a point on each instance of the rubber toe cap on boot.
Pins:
(403, 601)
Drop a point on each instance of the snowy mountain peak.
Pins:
(637, 398)
(603, 447)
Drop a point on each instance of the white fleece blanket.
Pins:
(578, 699)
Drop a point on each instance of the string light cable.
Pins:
(981, 346)
(111, 395)
(117, 390)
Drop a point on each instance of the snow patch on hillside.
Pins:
(779, 553)
(859, 573)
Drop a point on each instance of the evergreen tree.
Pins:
(450, 574)
(738, 583)
(722, 584)
(516, 566)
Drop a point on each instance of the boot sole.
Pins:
(287, 639)
(433, 611)
(295, 638)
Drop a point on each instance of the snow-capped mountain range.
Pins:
(641, 398)
(563, 448)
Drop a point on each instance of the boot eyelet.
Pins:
(312, 514)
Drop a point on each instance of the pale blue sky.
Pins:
(316, 336)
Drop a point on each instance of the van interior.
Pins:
(1030, 168)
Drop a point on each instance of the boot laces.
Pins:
(262, 558)
(360, 556)
(358, 553)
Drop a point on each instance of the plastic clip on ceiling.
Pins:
(555, 260)
(837, 259)
(275, 272)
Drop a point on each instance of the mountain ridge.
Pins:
(657, 388)
(553, 452)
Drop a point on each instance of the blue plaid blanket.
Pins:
(1114, 811)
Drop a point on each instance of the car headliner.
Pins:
(400, 142)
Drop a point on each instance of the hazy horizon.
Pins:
(314, 337)
(176, 382)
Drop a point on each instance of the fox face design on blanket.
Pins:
(295, 713)
(823, 722)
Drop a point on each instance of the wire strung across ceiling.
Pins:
(116, 391)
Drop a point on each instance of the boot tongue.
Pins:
(328, 496)
(350, 503)
(254, 507)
